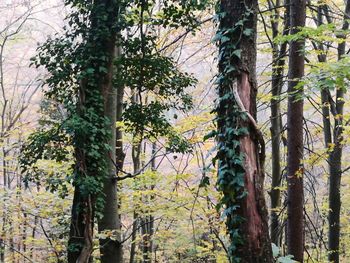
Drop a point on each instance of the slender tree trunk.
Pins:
(147, 220)
(136, 153)
(335, 159)
(278, 63)
(239, 88)
(33, 236)
(133, 237)
(295, 224)
(4, 212)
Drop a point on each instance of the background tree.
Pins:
(295, 236)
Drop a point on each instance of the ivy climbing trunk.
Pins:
(95, 180)
(295, 223)
(241, 149)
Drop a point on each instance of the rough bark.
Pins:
(75, 242)
(295, 223)
(256, 245)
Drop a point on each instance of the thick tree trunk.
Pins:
(76, 234)
(295, 225)
(240, 86)
(83, 210)
(111, 249)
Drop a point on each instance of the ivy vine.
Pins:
(230, 118)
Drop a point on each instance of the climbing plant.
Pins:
(236, 40)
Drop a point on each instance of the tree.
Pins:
(241, 148)
(295, 143)
(277, 80)
(335, 156)
(81, 66)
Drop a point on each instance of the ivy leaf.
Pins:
(286, 259)
(275, 250)
(224, 39)
(237, 53)
(210, 135)
(217, 37)
(248, 32)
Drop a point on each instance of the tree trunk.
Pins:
(111, 249)
(295, 224)
(147, 224)
(335, 159)
(237, 86)
(278, 63)
(4, 211)
(83, 210)
(76, 233)
(136, 154)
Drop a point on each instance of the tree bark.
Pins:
(241, 83)
(136, 152)
(278, 63)
(111, 249)
(335, 159)
(76, 233)
(295, 224)
(147, 224)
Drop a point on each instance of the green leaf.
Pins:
(275, 250)
(248, 32)
(286, 259)
(237, 53)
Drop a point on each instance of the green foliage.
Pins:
(279, 258)
(149, 74)
(143, 68)
(330, 75)
(157, 85)
(170, 14)
(77, 61)
(46, 144)
(323, 33)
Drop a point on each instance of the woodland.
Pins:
(189, 131)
